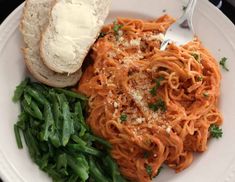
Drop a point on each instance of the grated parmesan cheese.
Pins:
(168, 129)
(135, 42)
(121, 39)
(126, 44)
(112, 54)
(140, 120)
(129, 59)
(155, 37)
(120, 33)
(115, 104)
(137, 97)
(164, 126)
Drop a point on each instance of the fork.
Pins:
(182, 30)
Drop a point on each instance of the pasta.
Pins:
(154, 107)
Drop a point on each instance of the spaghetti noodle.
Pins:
(153, 106)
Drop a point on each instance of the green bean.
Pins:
(34, 124)
(76, 124)
(40, 88)
(83, 130)
(73, 178)
(19, 91)
(100, 166)
(99, 140)
(36, 110)
(79, 166)
(49, 121)
(51, 149)
(28, 98)
(85, 149)
(68, 128)
(26, 108)
(17, 136)
(113, 168)
(22, 119)
(36, 95)
(119, 178)
(64, 172)
(61, 161)
(53, 173)
(71, 94)
(55, 109)
(32, 109)
(42, 162)
(43, 146)
(54, 138)
(84, 104)
(76, 139)
(96, 173)
(61, 99)
(32, 144)
(78, 112)
(57, 137)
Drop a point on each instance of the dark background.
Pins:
(228, 10)
(7, 6)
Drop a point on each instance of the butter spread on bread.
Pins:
(73, 28)
(35, 19)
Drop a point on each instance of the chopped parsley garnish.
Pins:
(184, 8)
(158, 81)
(206, 94)
(159, 170)
(196, 56)
(199, 78)
(116, 28)
(215, 131)
(223, 63)
(146, 154)
(153, 91)
(102, 34)
(149, 170)
(158, 105)
(123, 117)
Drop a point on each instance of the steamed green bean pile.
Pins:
(58, 139)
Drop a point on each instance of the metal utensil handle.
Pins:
(188, 15)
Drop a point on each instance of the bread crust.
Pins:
(35, 64)
(44, 40)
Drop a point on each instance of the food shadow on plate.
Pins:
(114, 14)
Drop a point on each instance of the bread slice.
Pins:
(73, 28)
(34, 21)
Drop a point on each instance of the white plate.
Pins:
(216, 32)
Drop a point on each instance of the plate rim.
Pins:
(7, 172)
